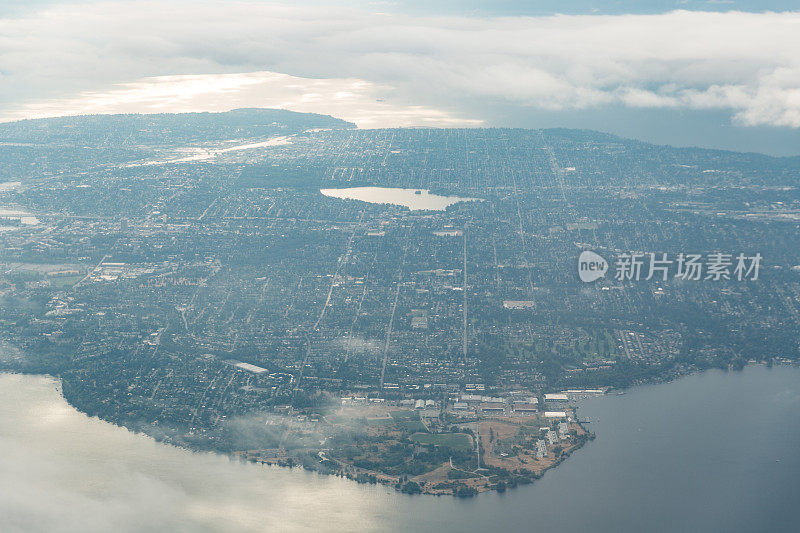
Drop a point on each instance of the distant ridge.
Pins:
(171, 128)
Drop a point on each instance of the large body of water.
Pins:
(414, 199)
(710, 452)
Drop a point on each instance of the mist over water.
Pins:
(63, 471)
(715, 451)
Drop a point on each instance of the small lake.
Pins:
(714, 451)
(414, 199)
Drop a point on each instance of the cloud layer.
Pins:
(393, 69)
(354, 100)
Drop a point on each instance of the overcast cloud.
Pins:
(394, 69)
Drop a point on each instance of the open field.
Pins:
(457, 441)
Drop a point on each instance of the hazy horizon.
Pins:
(676, 73)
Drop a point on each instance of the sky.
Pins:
(721, 74)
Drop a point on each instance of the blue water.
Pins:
(710, 452)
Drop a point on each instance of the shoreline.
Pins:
(364, 476)
(430, 483)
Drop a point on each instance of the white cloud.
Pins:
(425, 70)
(350, 99)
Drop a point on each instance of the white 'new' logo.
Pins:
(591, 266)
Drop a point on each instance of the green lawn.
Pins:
(378, 422)
(405, 415)
(456, 441)
(64, 282)
(412, 425)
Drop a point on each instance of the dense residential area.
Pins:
(186, 278)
